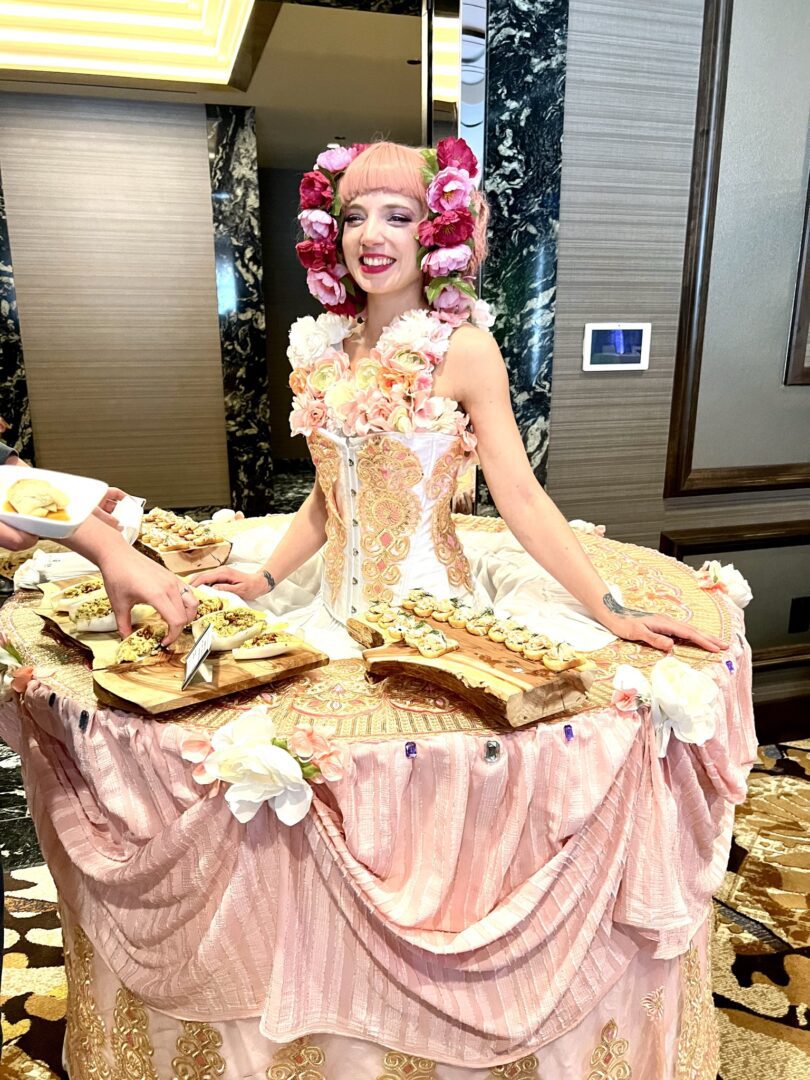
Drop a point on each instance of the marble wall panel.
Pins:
(526, 58)
(237, 243)
(15, 416)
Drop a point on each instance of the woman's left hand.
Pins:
(660, 631)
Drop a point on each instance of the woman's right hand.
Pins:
(248, 586)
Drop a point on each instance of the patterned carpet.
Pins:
(761, 949)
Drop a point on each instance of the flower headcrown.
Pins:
(445, 236)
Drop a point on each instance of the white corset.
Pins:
(388, 527)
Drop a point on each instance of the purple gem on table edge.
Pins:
(569, 732)
(410, 749)
(730, 665)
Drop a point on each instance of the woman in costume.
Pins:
(395, 401)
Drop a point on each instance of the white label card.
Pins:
(202, 647)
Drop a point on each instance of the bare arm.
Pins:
(479, 378)
(305, 536)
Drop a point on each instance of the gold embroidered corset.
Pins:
(388, 526)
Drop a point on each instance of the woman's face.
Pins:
(379, 241)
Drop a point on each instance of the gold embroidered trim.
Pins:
(198, 1056)
(653, 1003)
(397, 1066)
(525, 1069)
(441, 486)
(85, 1036)
(697, 1039)
(389, 512)
(131, 1046)
(608, 1061)
(326, 459)
(297, 1061)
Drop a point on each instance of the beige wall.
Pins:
(109, 212)
(631, 90)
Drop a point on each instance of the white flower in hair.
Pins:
(417, 331)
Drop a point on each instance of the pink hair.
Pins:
(388, 166)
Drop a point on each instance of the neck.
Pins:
(382, 309)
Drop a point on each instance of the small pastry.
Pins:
(560, 657)
(536, 646)
(460, 616)
(65, 599)
(207, 603)
(516, 639)
(425, 606)
(417, 630)
(35, 497)
(413, 596)
(232, 627)
(375, 610)
(443, 610)
(435, 644)
(93, 616)
(501, 629)
(481, 621)
(265, 644)
(144, 642)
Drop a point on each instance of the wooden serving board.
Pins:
(154, 685)
(191, 559)
(483, 672)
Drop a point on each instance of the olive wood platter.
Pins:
(154, 685)
(189, 560)
(483, 672)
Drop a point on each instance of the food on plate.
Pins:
(536, 647)
(264, 644)
(207, 603)
(501, 629)
(411, 599)
(93, 616)
(166, 531)
(376, 609)
(560, 657)
(425, 605)
(142, 643)
(36, 498)
(81, 590)
(443, 610)
(231, 627)
(516, 639)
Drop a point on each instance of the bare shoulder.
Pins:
(475, 350)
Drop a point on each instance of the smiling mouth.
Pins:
(376, 262)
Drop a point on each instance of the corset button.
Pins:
(355, 522)
(354, 581)
(351, 462)
(353, 492)
(355, 552)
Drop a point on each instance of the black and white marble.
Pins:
(526, 53)
(384, 7)
(15, 416)
(18, 840)
(237, 242)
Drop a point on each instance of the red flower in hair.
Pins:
(456, 153)
(447, 230)
(316, 254)
(315, 191)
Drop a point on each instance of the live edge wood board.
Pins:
(154, 686)
(483, 672)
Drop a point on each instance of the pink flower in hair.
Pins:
(446, 261)
(318, 225)
(453, 305)
(335, 159)
(326, 286)
(450, 189)
(315, 191)
(456, 152)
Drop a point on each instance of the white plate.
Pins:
(83, 495)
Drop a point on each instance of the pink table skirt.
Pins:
(469, 913)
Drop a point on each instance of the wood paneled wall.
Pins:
(109, 210)
(630, 101)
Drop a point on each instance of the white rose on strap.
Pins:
(587, 526)
(725, 579)
(684, 702)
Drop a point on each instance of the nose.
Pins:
(372, 234)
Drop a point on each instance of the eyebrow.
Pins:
(386, 206)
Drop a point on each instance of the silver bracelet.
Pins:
(271, 581)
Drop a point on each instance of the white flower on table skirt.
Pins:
(244, 755)
(684, 703)
(725, 579)
(631, 690)
(587, 526)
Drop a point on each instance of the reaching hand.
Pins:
(659, 631)
(131, 578)
(104, 510)
(248, 586)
